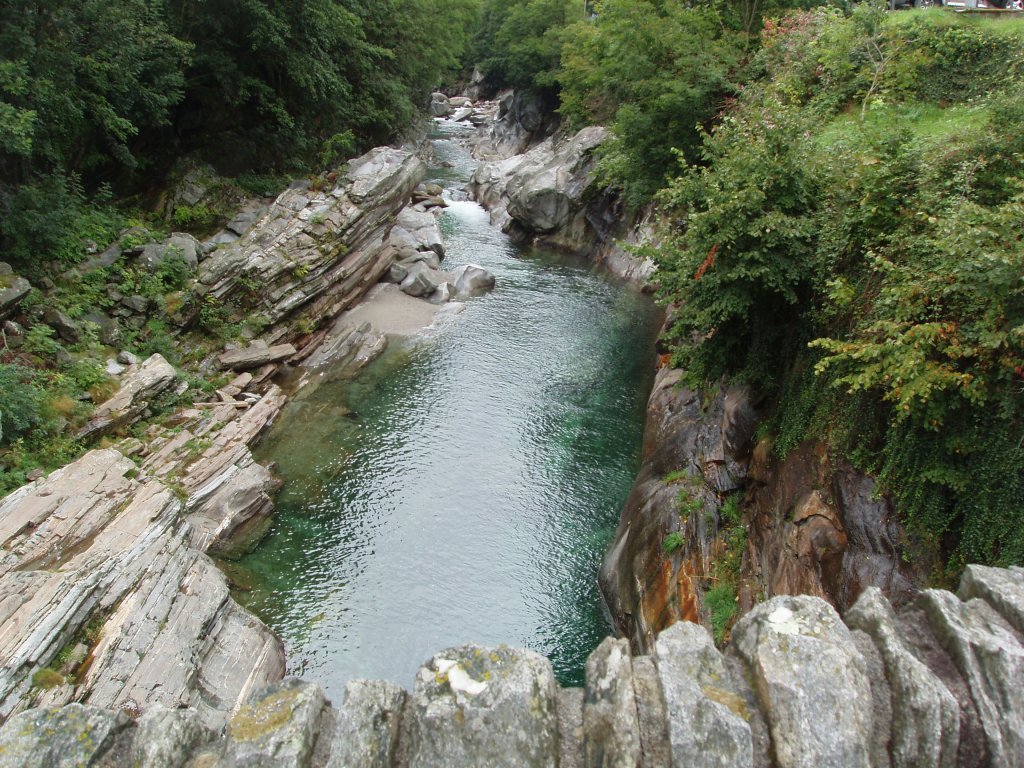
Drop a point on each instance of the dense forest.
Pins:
(840, 187)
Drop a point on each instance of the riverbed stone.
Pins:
(422, 229)
(811, 681)
(989, 654)
(611, 725)
(439, 105)
(369, 724)
(65, 737)
(475, 705)
(278, 727)
(421, 281)
(471, 280)
(707, 723)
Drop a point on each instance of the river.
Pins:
(465, 487)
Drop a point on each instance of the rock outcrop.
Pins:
(546, 195)
(811, 526)
(108, 597)
(934, 684)
(315, 253)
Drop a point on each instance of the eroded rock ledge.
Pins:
(935, 684)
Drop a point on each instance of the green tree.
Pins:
(653, 72)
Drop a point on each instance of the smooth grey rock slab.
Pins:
(925, 715)
(811, 681)
(369, 724)
(278, 727)
(706, 720)
(254, 356)
(989, 655)
(166, 738)
(1002, 588)
(474, 705)
(611, 726)
(67, 737)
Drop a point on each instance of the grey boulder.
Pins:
(483, 706)
(421, 280)
(12, 290)
(179, 245)
(439, 105)
(471, 280)
(811, 681)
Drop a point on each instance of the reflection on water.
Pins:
(465, 487)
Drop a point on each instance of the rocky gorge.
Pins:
(107, 584)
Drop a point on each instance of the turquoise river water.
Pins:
(466, 486)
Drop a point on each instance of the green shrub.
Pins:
(21, 402)
(673, 541)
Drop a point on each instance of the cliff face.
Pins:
(811, 526)
(936, 683)
(542, 191)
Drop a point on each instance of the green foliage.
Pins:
(49, 218)
(853, 247)
(519, 42)
(720, 602)
(114, 91)
(40, 340)
(46, 678)
(653, 72)
(743, 261)
(193, 217)
(673, 541)
(21, 402)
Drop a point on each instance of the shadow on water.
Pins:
(465, 487)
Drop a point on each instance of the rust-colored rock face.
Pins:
(819, 529)
(684, 457)
(814, 526)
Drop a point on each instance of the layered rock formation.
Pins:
(935, 684)
(812, 527)
(108, 595)
(315, 253)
